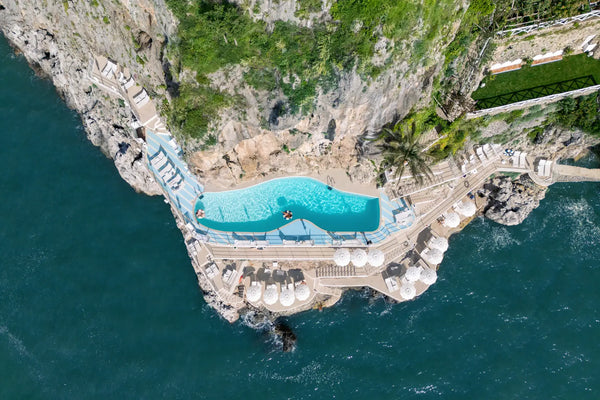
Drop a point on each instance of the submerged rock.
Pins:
(286, 335)
(510, 202)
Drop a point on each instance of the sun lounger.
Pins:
(137, 98)
(109, 69)
(488, 151)
(159, 162)
(547, 168)
(129, 83)
(523, 160)
(212, 270)
(515, 158)
(540, 167)
(391, 284)
(481, 155)
(243, 243)
(587, 40)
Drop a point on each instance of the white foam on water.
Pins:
(25, 356)
(425, 389)
(311, 374)
(577, 216)
(501, 238)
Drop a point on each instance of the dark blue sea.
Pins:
(98, 299)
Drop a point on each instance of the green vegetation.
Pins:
(296, 60)
(579, 113)
(484, 17)
(194, 109)
(570, 67)
(401, 149)
(305, 7)
(106, 20)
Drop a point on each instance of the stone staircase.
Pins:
(335, 271)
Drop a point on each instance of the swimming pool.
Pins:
(260, 208)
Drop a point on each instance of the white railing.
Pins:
(527, 103)
(548, 24)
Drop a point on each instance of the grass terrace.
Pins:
(546, 76)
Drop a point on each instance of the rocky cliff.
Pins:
(510, 202)
(58, 39)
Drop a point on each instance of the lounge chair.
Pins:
(212, 270)
(480, 154)
(547, 168)
(391, 284)
(523, 160)
(129, 83)
(540, 167)
(515, 158)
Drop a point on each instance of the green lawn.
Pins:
(570, 67)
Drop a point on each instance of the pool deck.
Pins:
(229, 264)
(336, 177)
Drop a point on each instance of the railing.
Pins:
(527, 103)
(548, 24)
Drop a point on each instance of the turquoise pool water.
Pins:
(259, 208)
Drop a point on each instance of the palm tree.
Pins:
(401, 149)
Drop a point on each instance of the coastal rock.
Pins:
(285, 334)
(58, 41)
(510, 202)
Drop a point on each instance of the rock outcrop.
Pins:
(510, 202)
(58, 39)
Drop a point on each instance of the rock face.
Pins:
(58, 39)
(510, 202)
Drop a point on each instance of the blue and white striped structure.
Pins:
(185, 195)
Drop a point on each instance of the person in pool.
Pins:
(200, 213)
(287, 214)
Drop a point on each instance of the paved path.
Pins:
(577, 173)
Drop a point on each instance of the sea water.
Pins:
(98, 299)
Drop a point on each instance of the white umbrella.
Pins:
(271, 295)
(302, 292)
(432, 256)
(341, 257)
(359, 257)
(254, 292)
(440, 243)
(287, 297)
(466, 208)
(376, 257)
(451, 220)
(428, 276)
(412, 273)
(408, 291)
